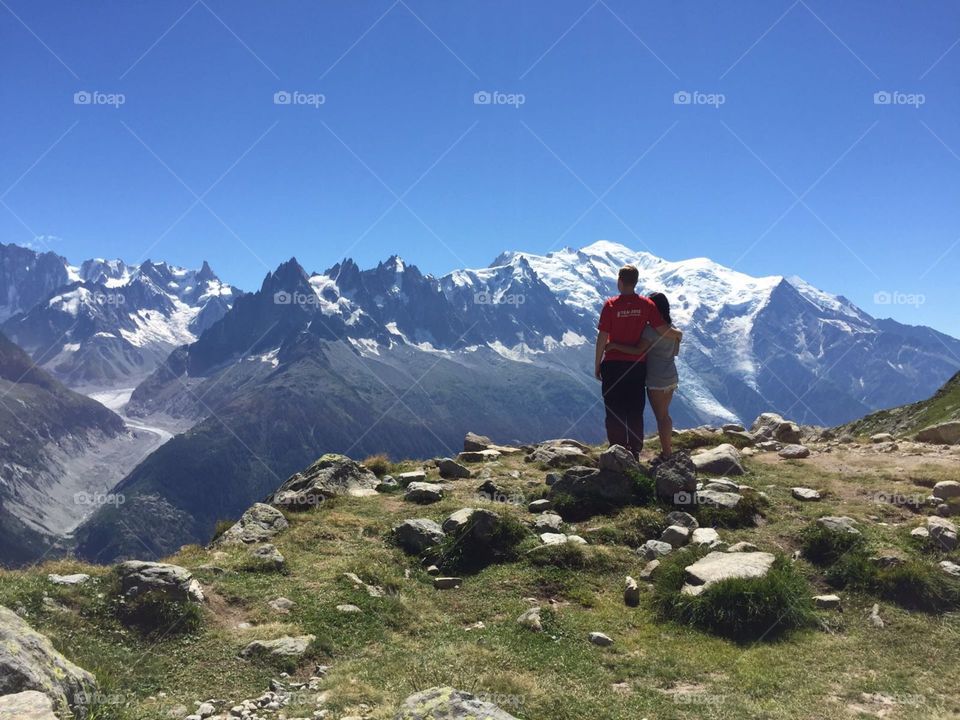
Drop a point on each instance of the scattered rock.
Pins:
(839, 524)
(452, 470)
(595, 486)
(258, 524)
(548, 522)
(947, 433)
(631, 593)
(742, 547)
(358, 584)
(447, 583)
(875, 618)
(268, 557)
(76, 579)
(598, 638)
(827, 602)
(794, 452)
(920, 532)
(539, 506)
(771, 426)
(721, 484)
(531, 620)
(283, 647)
(457, 520)
(418, 534)
(447, 703)
(28, 661)
(946, 489)
(676, 477)
(329, 476)
(704, 536)
(676, 535)
(716, 498)
(943, 532)
(678, 517)
(618, 459)
(653, 549)
(282, 605)
(387, 484)
(721, 460)
(881, 438)
(558, 456)
(348, 609)
(475, 443)
(424, 493)
(560, 539)
(478, 456)
(138, 577)
(27, 705)
(951, 568)
(805, 493)
(719, 566)
(405, 478)
(649, 569)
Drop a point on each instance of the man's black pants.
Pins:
(624, 397)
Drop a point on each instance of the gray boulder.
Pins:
(258, 524)
(839, 524)
(719, 566)
(474, 443)
(447, 703)
(138, 577)
(771, 426)
(946, 489)
(280, 648)
(548, 522)
(676, 478)
(717, 498)
(676, 536)
(330, 476)
(457, 520)
(417, 535)
(28, 661)
(558, 456)
(705, 536)
(721, 460)
(452, 470)
(947, 433)
(267, 557)
(942, 532)
(424, 492)
(794, 452)
(805, 493)
(653, 549)
(75, 579)
(478, 456)
(678, 517)
(27, 705)
(618, 459)
(600, 486)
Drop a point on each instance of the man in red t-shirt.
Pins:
(623, 375)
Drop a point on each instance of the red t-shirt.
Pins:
(624, 318)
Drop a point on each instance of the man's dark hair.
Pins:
(629, 275)
(663, 305)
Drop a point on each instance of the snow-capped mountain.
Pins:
(106, 324)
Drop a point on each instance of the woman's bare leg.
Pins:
(660, 404)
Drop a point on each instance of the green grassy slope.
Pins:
(906, 420)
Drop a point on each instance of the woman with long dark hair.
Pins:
(662, 376)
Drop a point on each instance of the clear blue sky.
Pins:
(799, 171)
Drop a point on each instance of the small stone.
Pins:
(282, 605)
(676, 535)
(268, 557)
(875, 618)
(447, 583)
(678, 517)
(530, 619)
(827, 602)
(951, 568)
(548, 522)
(631, 593)
(539, 506)
(206, 710)
(742, 546)
(794, 452)
(413, 476)
(841, 524)
(920, 532)
(946, 489)
(704, 536)
(452, 470)
(598, 638)
(348, 609)
(881, 438)
(433, 570)
(423, 492)
(805, 493)
(649, 569)
(653, 549)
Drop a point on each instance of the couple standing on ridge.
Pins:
(636, 346)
